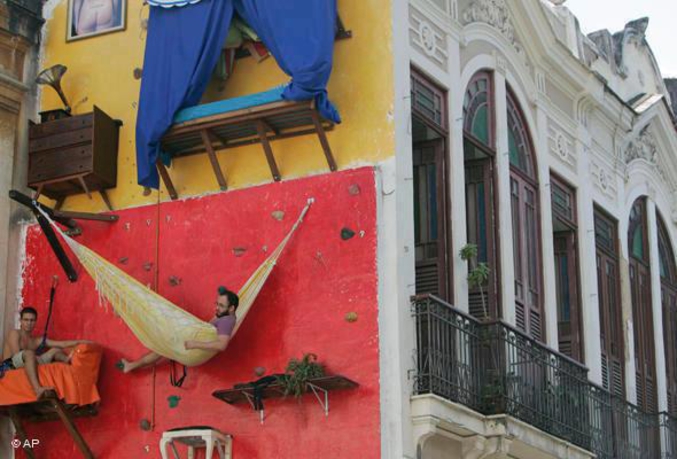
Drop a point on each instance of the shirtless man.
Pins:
(20, 346)
(224, 322)
(91, 16)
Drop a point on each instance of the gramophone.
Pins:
(52, 77)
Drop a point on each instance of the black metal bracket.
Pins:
(65, 218)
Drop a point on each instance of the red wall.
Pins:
(302, 308)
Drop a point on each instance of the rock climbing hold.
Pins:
(278, 215)
(354, 189)
(173, 401)
(144, 425)
(351, 317)
(259, 371)
(147, 266)
(174, 281)
(239, 251)
(123, 260)
(347, 233)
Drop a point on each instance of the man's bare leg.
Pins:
(147, 360)
(31, 367)
(56, 355)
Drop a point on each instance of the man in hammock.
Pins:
(224, 321)
(23, 350)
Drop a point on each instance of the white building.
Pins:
(554, 153)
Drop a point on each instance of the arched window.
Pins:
(478, 110)
(525, 224)
(479, 159)
(642, 315)
(666, 260)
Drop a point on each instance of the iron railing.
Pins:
(668, 432)
(494, 368)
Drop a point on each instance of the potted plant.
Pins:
(478, 273)
(295, 379)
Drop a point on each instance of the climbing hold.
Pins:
(147, 191)
(147, 266)
(278, 215)
(173, 401)
(354, 189)
(351, 317)
(144, 425)
(239, 251)
(174, 281)
(347, 233)
(123, 260)
(259, 371)
(137, 73)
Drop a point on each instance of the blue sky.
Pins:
(614, 14)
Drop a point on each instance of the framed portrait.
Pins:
(89, 18)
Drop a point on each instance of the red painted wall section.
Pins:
(190, 247)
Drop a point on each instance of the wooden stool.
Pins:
(197, 437)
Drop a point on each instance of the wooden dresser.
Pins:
(74, 155)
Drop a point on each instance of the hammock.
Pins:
(159, 324)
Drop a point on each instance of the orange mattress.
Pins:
(75, 384)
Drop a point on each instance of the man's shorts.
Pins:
(18, 359)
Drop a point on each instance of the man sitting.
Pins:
(224, 321)
(21, 349)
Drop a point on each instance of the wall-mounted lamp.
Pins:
(52, 77)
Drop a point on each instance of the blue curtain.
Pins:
(184, 44)
(182, 48)
(300, 35)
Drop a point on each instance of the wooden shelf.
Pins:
(257, 124)
(319, 387)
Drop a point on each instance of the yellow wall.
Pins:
(101, 68)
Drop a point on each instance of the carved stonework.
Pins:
(601, 178)
(427, 38)
(643, 147)
(562, 146)
(496, 14)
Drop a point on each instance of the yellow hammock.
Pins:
(159, 324)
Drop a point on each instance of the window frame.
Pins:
(610, 328)
(571, 237)
(524, 245)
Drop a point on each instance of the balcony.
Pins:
(495, 369)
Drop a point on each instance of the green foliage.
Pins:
(468, 252)
(299, 372)
(478, 273)
(479, 276)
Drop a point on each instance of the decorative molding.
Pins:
(643, 147)
(602, 178)
(674, 207)
(541, 82)
(562, 146)
(494, 13)
(425, 36)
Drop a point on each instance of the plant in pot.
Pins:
(478, 273)
(493, 388)
(295, 379)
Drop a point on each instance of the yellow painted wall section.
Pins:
(101, 73)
